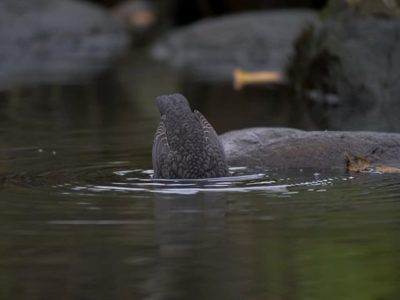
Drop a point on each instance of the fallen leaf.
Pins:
(387, 170)
(360, 164)
(356, 163)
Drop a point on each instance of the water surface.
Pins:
(81, 217)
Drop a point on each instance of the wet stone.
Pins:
(284, 148)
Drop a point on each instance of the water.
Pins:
(81, 217)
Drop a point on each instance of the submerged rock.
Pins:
(52, 40)
(211, 49)
(283, 148)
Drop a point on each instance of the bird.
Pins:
(185, 144)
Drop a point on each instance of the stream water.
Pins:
(81, 217)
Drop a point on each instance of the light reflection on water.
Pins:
(141, 180)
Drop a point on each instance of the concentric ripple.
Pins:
(118, 177)
(123, 180)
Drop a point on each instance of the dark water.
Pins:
(81, 218)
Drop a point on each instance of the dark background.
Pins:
(184, 12)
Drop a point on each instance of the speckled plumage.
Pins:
(185, 144)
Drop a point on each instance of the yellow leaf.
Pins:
(362, 165)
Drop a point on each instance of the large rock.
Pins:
(354, 60)
(211, 49)
(284, 148)
(52, 40)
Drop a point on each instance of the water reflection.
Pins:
(187, 230)
(207, 245)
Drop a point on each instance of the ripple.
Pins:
(118, 177)
(140, 180)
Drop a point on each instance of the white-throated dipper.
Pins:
(185, 144)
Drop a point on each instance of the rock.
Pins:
(357, 58)
(55, 40)
(211, 49)
(284, 148)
